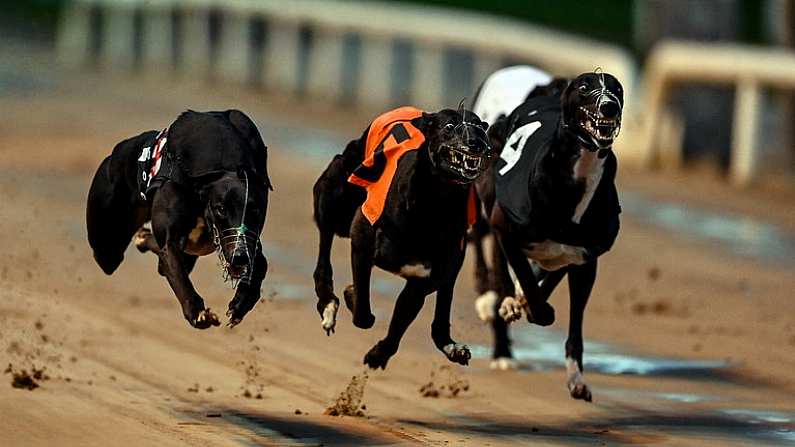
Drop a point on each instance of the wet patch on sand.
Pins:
(349, 402)
(543, 349)
(742, 235)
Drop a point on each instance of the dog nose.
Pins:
(609, 109)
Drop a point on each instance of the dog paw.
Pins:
(239, 307)
(580, 391)
(378, 356)
(510, 309)
(457, 353)
(365, 321)
(503, 364)
(575, 382)
(205, 319)
(541, 314)
(139, 239)
(485, 305)
(329, 321)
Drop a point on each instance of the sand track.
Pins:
(127, 370)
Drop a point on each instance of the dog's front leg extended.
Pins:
(357, 295)
(440, 328)
(539, 311)
(172, 220)
(407, 306)
(176, 273)
(581, 281)
(248, 293)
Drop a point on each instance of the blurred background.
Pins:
(434, 53)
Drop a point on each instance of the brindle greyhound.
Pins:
(551, 199)
(403, 193)
(204, 186)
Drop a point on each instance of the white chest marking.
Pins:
(551, 255)
(415, 270)
(589, 167)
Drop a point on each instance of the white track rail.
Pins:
(749, 69)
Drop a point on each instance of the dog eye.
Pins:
(220, 210)
(583, 88)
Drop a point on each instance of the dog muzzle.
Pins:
(242, 243)
(599, 121)
(463, 152)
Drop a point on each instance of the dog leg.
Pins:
(407, 306)
(327, 301)
(247, 294)
(581, 280)
(482, 274)
(502, 357)
(540, 312)
(357, 295)
(145, 241)
(172, 220)
(440, 328)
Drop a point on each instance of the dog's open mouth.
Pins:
(462, 164)
(236, 272)
(604, 130)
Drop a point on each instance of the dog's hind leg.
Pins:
(327, 301)
(440, 328)
(581, 280)
(145, 241)
(482, 274)
(502, 357)
(335, 202)
(407, 306)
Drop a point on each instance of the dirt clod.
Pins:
(444, 382)
(349, 402)
(654, 273)
(25, 380)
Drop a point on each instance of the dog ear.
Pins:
(431, 119)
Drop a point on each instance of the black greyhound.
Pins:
(403, 193)
(203, 183)
(551, 199)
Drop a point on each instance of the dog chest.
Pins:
(199, 242)
(553, 255)
(588, 168)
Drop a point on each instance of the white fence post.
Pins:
(375, 80)
(281, 56)
(744, 152)
(195, 41)
(74, 34)
(158, 38)
(427, 89)
(234, 47)
(118, 37)
(324, 74)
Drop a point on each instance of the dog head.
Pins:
(236, 204)
(592, 105)
(457, 144)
